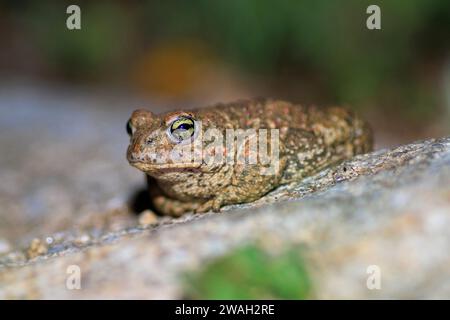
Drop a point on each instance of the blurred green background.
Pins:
(204, 51)
(250, 272)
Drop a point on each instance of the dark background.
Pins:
(182, 53)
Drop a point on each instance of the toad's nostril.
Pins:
(149, 140)
(134, 157)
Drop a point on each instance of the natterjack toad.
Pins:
(200, 160)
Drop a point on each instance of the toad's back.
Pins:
(332, 126)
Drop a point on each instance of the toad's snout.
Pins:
(140, 148)
(134, 154)
(137, 149)
(140, 151)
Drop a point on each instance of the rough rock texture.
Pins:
(390, 208)
(394, 213)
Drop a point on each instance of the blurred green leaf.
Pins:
(250, 273)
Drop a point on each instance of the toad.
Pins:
(201, 160)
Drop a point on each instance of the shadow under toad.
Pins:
(140, 201)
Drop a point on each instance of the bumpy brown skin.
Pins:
(310, 139)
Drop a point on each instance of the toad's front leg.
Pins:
(166, 205)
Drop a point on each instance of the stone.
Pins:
(147, 217)
(387, 211)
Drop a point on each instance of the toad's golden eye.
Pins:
(182, 128)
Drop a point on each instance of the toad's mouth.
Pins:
(156, 167)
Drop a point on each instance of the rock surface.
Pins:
(389, 209)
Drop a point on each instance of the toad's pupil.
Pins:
(184, 126)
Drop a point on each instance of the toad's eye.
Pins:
(129, 128)
(182, 128)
